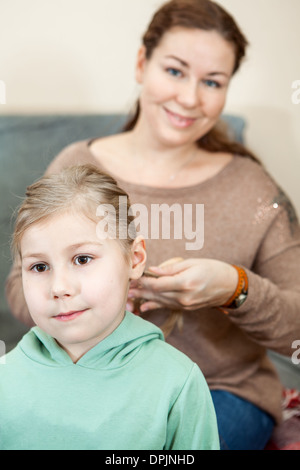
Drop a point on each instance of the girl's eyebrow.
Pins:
(34, 255)
(185, 64)
(76, 246)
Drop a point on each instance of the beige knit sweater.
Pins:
(248, 221)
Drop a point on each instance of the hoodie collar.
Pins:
(114, 351)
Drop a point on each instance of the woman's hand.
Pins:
(185, 284)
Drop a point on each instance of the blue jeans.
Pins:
(242, 425)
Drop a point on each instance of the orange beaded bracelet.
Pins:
(241, 292)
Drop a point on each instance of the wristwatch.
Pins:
(241, 292)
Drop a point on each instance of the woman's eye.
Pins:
(174, 72)
(39, 268)
(82, 259)
(212, 84)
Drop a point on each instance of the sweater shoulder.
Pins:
(252, 187)
(254, 175)
(259, 183)
(77, 153)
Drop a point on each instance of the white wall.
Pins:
(262, 90)
(72, 56)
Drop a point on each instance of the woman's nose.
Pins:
(189, 95)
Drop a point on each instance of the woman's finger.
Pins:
(170, 267)
(150, 306)
(161, 284)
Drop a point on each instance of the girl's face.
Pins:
(75, 283)
(184, 84)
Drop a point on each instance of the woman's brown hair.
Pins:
(208, 16)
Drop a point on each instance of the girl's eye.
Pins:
(82, 259)
(39, 268)
(212, 84)
(174, 72)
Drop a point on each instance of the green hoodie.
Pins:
(132, 391)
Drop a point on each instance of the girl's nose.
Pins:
(62, 285)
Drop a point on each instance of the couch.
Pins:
(27, 145)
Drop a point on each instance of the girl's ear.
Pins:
(138, 258)
(140, 65)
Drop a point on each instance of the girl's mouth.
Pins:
(64, 317)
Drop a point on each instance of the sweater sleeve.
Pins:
(271, 313)
(192, 423)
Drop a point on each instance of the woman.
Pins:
(239, 293)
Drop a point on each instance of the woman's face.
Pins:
(184, 85)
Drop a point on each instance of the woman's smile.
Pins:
(178, 120)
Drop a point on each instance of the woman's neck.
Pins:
(146, 151)
(162, 165)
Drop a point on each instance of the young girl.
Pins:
(90, 375)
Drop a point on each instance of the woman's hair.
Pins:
(208, 16)
(82, 189)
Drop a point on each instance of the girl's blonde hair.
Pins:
(82, 189)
